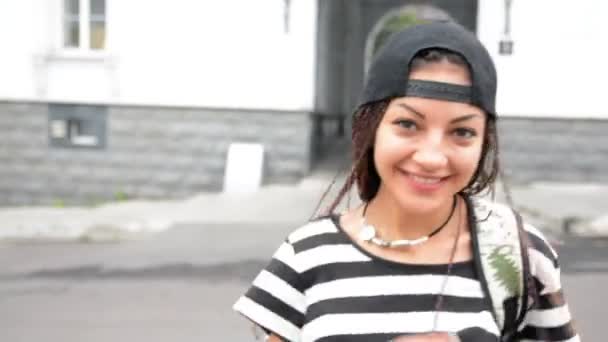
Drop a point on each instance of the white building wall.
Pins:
(229, 53)
(235, 53)
(19, 41)
(558, 67)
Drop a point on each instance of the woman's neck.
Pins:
(394, 222)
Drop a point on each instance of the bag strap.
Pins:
(502, 262)
(529, 294)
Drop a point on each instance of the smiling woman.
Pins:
(411, 262)
(432, 146)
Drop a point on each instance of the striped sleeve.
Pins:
(548, 319)
(275, 301)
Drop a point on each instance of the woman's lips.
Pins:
(424, 182)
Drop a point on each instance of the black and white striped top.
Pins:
(321, 286)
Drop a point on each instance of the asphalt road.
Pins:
(179, 285)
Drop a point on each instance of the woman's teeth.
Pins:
(425, 180)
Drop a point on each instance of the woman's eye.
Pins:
(407, 124)
(466, 133)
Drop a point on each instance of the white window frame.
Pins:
(84, 27)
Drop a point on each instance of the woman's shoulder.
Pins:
(318, 243)
(498, 215)
(315, 228)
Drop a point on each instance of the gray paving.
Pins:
(552, 207)
(170, 270)
(179, 285)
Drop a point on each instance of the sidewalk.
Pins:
(580, 209)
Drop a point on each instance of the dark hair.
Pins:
(365, 124)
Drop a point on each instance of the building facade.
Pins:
(104, 99)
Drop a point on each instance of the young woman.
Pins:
(402, 266)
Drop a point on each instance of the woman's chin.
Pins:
(422, 204)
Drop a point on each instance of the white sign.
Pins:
(59, 129)
(244, 168)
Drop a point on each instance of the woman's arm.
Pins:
(549, 318)
(275, 301)
(274, 338)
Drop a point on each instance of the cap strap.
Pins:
(439, 91)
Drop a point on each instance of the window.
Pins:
(84, 24)
(77, 125)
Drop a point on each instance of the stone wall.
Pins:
(156, 152)
(150, 152)
(549, 149)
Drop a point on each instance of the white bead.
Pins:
(367, 233)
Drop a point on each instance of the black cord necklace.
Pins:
(368, 232)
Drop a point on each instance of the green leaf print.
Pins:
(505, 270)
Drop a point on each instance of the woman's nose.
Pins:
(430, 156)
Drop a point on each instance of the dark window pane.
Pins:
(77, 126)
(98, 35)
(71, 34)
(72, 7)
(98, 8)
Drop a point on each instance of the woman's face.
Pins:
(427, 150)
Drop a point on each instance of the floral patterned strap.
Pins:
(500, 258)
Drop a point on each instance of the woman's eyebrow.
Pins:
(465, 118)
(456, 120)
(409, 108)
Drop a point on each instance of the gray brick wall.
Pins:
(151, 152)
(561, 150)
(155, 152)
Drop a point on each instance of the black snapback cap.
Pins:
(388, 74)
